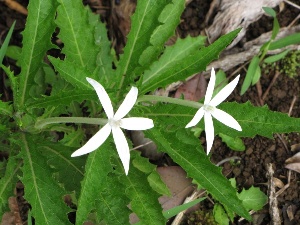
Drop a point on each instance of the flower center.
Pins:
(114, 123)
(209, 108)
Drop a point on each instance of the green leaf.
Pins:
(169, 19)
(172, 55)
(174, 211)
(36, 41)
(233, 182)
(275, 58)
(14, 52)
(4, 46)
(144, 201)
(256, 76)
(186, 150)
(3, 165)
(253, 198)
(257, 120)
(111, 205)
(73, 139)
(8, 182)
(285, 41)
(250, 74)
(233, 143)
(69, 169)
(143, 23)
(182, 60)
(6, 108)
(96, 169)
(12, 79)
(104, 57)
(154, 178)
(276, 28)
(220, 215)
(76, 32)
(42, 192)
(72, 73)
(269, 11)
(63, 98)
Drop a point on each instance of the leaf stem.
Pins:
(177, 101)
(44, 122)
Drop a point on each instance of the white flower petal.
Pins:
(103, 97)
(210, 87)
(94, 142)
(225, 92)
(209, 131)
(122, 147)
(127, 104)
(136, 123)
(227, 119)
(196, 119)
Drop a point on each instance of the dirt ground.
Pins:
(250, 168)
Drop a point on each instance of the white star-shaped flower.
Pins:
(209, 109)
(115, 123)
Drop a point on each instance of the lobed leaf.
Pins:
(6, 108)
(69, 170)
(144, 200)
(182, 60)
(69, 71)
(133, 189)
(104, 58)
(96, 169)
(257, 121)
(12, 80)
(253, 120)
(8, 182)
(111, 205)
(253, 198)
(76, 33)
(185, 149)
(73, 138)
(63, 98)
(169, 19)
(36, 41)
(143, 23)
(220, 215)
(43, 193)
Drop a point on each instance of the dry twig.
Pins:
(16, 6)
(273, 209)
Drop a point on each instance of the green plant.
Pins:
(290, 63)
(254, 70)
(47, 102)
(252, 199)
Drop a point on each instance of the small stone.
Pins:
(246, 174)
(236, 171)
(272, 148)
(249, 151)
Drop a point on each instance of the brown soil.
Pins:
(251, 168)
